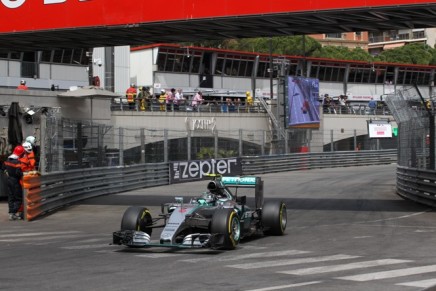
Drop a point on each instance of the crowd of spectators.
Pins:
(175, 100)
(341, 105)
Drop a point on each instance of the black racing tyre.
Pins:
(225, 222)
(274, 217)
(137, 218)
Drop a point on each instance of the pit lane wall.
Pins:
(48, 193)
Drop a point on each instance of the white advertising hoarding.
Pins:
(379, 130)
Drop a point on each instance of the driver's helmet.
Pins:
(214, 188)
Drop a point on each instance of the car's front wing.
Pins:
(134, 238)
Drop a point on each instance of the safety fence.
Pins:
(46, 193)
(418, 185)
(70, 145)
(416, 173)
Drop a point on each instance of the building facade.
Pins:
(349, 40)
(384, 40)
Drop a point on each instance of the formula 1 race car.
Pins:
(216, 219)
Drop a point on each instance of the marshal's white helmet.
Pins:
(31, 139)
(27, 146)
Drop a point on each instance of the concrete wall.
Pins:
(71, 108)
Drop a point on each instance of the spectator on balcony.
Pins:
(162, 99)
(178, 99)
(326, 103)
(372, 106)
(22, 85)
(170, 99)
(147, 98)
(249, 101)
(198, 99)
(343, 104)
(131, 96)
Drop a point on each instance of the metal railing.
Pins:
(273, 119)
(308, 161)
(45, 194)
(185, 106)
(417, 185)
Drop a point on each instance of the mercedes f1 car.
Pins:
(217, 219)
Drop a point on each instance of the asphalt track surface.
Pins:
(347, 230)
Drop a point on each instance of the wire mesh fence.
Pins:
(413, 119)
(69, 144)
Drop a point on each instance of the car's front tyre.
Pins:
(137, 218)
(225, 223)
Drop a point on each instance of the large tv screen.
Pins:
(303, 102)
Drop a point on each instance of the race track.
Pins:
(347, 230)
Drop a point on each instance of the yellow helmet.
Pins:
(248, 93)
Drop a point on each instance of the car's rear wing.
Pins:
(246, 182)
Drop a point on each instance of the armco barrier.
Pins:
(417, 185)
(52, 191)
(307, 161)
(49, 192)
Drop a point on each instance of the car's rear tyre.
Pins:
(274, 217)
(137, 218)
(225, 222)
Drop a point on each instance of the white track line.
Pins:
(390, 274)
(250, 256)
(343, 267)
(420, 284)
(267, 264)
(286, 286)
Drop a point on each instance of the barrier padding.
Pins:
(32, 198)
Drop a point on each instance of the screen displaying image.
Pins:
(303, 101)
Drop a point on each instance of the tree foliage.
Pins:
(283, 45)
(414, 53)
(343, 53)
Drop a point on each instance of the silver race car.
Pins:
(217, 219)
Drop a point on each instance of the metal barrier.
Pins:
(417, 185)
(49, 192)
(44, 194)
(307, 161)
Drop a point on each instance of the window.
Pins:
(15, 56)
(186, 63)
(262, 70)
(196, 61)
(46, 56)
(333, 35)
(328, 72)
(161, 59)
(57, 56)
(79, 57)
(219, 64)
(66, 59)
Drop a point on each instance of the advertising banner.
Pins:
(199, 169)
(34, 15)
(379, 130)
(303, 102)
